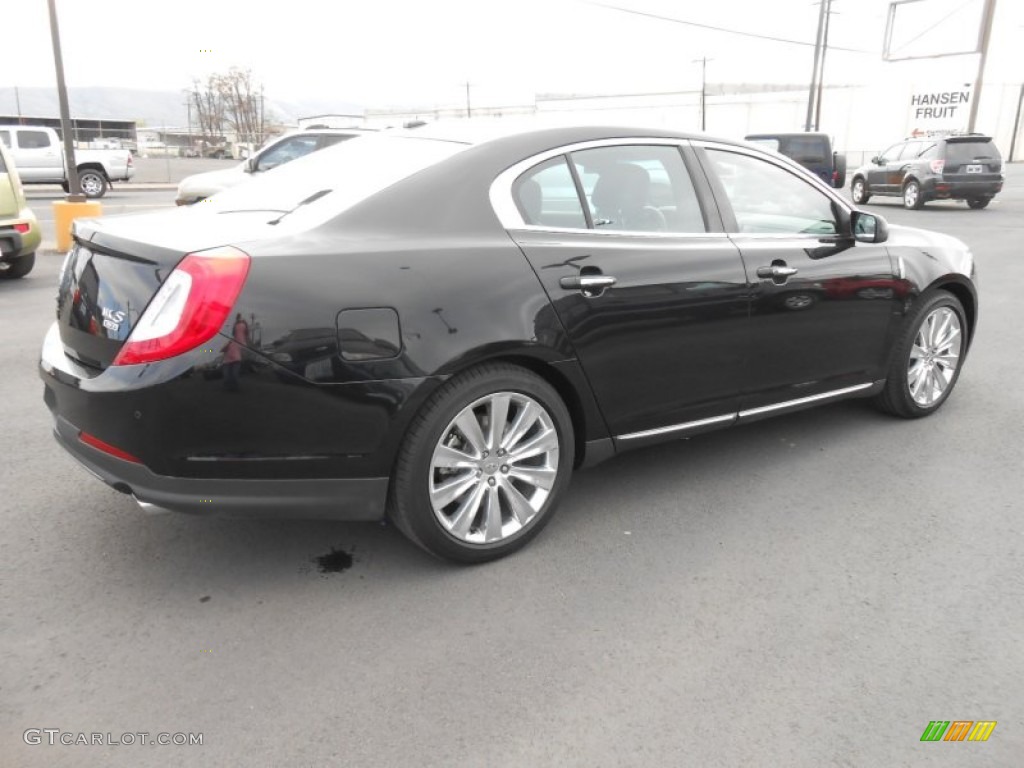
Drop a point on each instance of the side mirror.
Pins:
(869, 227)
(250, 164)
(877, 159)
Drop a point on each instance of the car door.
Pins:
(650, 291)
(39, 158)
(822, 303)
(880, 178)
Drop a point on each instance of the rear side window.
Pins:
(33, 139)
(639, 188)
(5, 137)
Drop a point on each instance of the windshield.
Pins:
(321, 185)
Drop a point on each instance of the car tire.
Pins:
(926, 361)
(92, 183)
(912, 197)
(859, 191)
(12, 270)
(455, 492)
(978, 203)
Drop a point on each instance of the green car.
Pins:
(19, 230)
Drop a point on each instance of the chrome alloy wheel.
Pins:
(910, 194)
(493, 467)
(92, 184)
(934, 356)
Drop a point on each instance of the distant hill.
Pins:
(153, 109)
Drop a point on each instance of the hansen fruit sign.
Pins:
(939, 110)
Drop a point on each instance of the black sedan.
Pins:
(437, 326)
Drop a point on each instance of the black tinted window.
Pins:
(960, 152)
(812, 149)
(5, 137)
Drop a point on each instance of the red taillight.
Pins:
(190, 307)
(21, 228)
(937, 165)
(107, 448)
(130, 160)
(835, 178)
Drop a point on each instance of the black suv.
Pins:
(812, 150)
(967, 167)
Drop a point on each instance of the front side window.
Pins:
(768, 199)
(286, 151)
(33, 139)
(892, 154)
(639, 188)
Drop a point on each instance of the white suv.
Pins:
(276, 152)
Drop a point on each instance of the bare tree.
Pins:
(232, 101)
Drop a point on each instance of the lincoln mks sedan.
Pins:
(437, 326)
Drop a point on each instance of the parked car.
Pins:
(967, 167)
(277, 152)
(488, 336)
(19, 230)
(812, 150)
(39, 153)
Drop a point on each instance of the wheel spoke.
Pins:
(464, 516)
(543, 442)
(527, 415)
(522, 510)
(446, 493)
(498, 416)
(541, 477)
(915, 378)
(447, 457)
(469, 426)
(492, 523)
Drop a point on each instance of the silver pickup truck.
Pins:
(39, 155)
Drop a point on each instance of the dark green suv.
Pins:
(967, 167)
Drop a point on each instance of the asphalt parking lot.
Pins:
(805, 591)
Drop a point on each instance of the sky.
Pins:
(378, 53)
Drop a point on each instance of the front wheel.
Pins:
(859, 191)
(926, 360)
(978, 204)
(92, 183)
(484, 464)
(912, 198)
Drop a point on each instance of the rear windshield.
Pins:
(806, 150)
(959, 152)
(332, 179)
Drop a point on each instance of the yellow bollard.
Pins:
(64, 213)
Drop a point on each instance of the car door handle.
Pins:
(776, 271)
(587, 282)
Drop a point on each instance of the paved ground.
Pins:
(807, 591)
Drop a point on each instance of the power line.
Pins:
(713, 28)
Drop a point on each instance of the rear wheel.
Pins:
(925, 362)
(912, 198)
(92, 183)
(859, 191)
(12, 270)
(484, 464)
(979, 203)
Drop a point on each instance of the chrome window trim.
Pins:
(505, 208)
(678, 427)
(805, 400)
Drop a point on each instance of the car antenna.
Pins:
(311, 199)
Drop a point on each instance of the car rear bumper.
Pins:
(937, 189)
(356, 499)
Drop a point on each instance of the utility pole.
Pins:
(703, 90)
(821, 65)
(469, 111)
(17, 102)
(74, 194)
(814, 69)
(987, 14)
